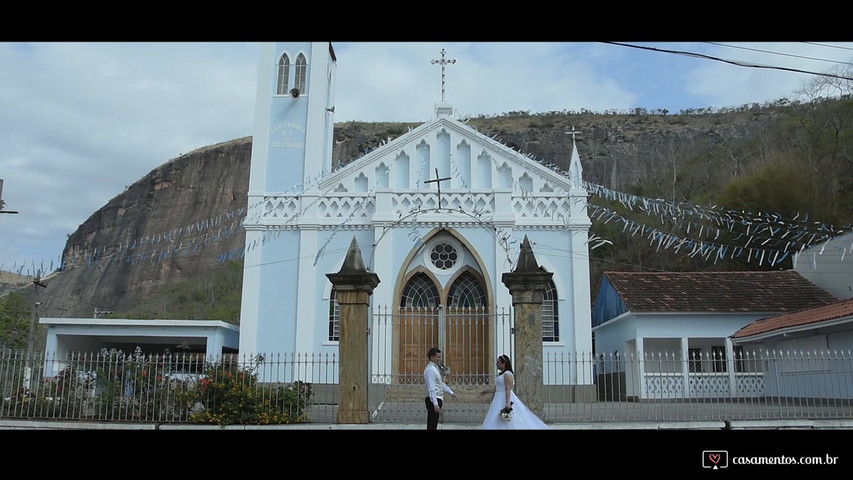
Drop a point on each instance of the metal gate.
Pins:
(470, 339)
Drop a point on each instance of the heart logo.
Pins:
(714, 457)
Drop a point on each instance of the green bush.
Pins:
(136, 387)
(229, 395)
(61, 396)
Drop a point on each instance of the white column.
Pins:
(730, 368)
(307, 297)
(685, 368)
(380, 261)
(641, 367)
(249, 302)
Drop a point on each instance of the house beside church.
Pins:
(667, 334)
(170, 339)
(811, 349)
(439, 214)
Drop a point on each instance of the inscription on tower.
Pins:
(287, 135)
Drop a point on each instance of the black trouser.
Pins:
(432, 415)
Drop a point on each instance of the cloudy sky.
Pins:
(81, 121)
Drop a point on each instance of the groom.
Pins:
(435, 388)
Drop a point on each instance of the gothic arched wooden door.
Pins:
(455, 320)
(467, 324)
(417, 326)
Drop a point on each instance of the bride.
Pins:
(507, 411)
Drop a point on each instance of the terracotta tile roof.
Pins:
(832, 311)
(771, 291)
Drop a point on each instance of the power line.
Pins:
(829, 46)
(779, 53)
(732, 62)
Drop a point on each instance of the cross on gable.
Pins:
(443, 62)
(438, 181)
(573, 132)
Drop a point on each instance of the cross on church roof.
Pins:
(438, 181)
(443, 62)
(573, 132)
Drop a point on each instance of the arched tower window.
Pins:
(283, 75)
(334, 317)
(466, 292)
(301, 74)
(420, 292)
(550, 316)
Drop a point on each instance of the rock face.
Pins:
(184, 217)
(179, 219)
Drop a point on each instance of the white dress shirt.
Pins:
(435, 386)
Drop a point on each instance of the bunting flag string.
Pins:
(761, 236)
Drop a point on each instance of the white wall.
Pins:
(829, 265)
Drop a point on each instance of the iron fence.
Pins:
(114, 386)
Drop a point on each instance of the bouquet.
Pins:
(506, 412)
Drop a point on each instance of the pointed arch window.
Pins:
(550, 316)
(466, 292)
(283, 75)
(301, 74)
(420, 292)
(334, 317)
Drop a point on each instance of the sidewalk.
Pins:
(687, 425)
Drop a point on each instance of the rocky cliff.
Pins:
(172, 224)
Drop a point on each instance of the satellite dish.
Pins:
(294, 92)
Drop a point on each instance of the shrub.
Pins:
(227, 394)
(136, 387)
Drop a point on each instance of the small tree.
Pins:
(15, 313)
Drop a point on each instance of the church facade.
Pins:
(439, 214)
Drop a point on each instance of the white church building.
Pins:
(438, 213)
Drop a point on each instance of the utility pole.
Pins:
(31, 339)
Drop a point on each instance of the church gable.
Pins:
(469, 166)
(472, 160)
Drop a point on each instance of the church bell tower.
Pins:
(291, 151)
(294, 122)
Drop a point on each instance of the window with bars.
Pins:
(694, 360)
(743, 361)
(718, 359)
(301, 74)
(283, 75)
(334, 317)
(550, 316)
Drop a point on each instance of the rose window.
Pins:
(443, 256)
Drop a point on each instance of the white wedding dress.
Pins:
(522, 417)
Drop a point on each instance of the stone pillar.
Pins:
(527, 284)
(354, 285)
